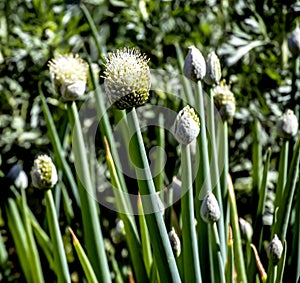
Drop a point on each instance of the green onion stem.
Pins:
(191, 263)
(162, 251)
(93, 238)
(60, 260)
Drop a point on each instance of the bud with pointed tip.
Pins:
(194, 65)
(127, 78)
(175, 242)
(186, 126)
(294, 41)
(69, 75)
(275, 250)
(287, 125)
(224, 100)
(43, 172)
(213, 69)
(246, 229)
(210, 210)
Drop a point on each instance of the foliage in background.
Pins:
(250, 38)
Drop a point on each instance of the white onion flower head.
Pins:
(127, 78)
(43, 172)
(186, 126)
(287, 125)
(69, 75)
(194, 65)
(213, 69)
(210, 210)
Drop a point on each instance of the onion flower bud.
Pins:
(287, 125)
(127, 78)
(224, 100)
(246, 229)
(186, 126)
(210, 210)
(194, 65)
(175, 242)
(275, 250)
(213, 69)
(43, 173)
(18, 177)
(69, 75)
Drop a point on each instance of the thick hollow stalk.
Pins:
(162, 251)
(159, 156)
(132, 236)
(203, 185)
(60, 260)
(17, 230)
(145, 238)
(91, 225)
(237, 244)
(190, 247)
(285, 208)
(215, 176)
(282, 172)
(217, 256)
(35, 263)
(258, 226)
(257, 165)
(229, 270)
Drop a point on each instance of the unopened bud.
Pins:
(18, 177)
(213, 69)
(175, 242)
(287, 125)
(210, 210)
(186, 126)
(194, 65)
(275, 250)
(246, 229)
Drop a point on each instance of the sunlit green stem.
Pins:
(162, 251)
(191, 263)
(237, 244)
(93, 238)
(36, 268)
(203, 185)
(60, 260)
